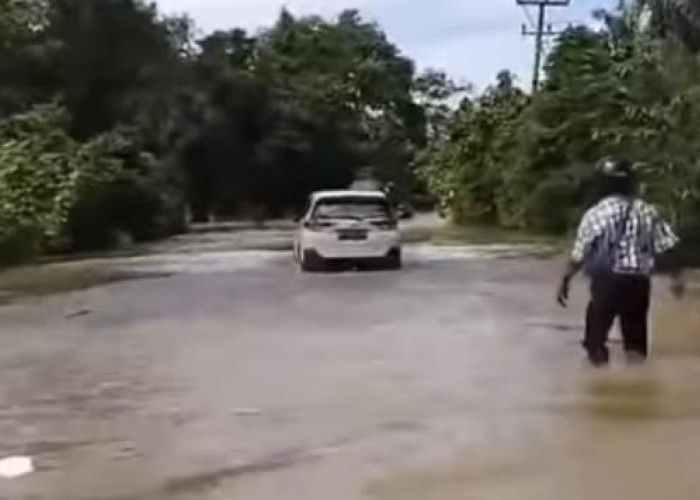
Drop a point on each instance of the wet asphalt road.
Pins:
(230, 375)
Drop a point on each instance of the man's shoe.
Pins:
(635, 357)
(599, 357)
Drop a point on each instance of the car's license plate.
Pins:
(352, 235)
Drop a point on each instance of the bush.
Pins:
(38, 175)
(19, 244)
(116, 196)
(59, 195)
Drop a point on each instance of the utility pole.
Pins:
(540, 32)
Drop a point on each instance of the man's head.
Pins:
(616, 177)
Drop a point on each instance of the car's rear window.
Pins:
(352, 208)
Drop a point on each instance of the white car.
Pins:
(355, 226)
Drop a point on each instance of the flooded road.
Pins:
(226, 374)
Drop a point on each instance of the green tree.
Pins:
(24, 54)
(116, 62)
(57, 193)
(297, 108)
(668, 19)
(464, 168)
(623, 90)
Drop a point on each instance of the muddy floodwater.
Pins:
(217, 373)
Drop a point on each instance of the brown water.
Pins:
(227, 374)
(627, 433)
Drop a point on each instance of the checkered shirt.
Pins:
(645, 236)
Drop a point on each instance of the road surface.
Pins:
(230, 375)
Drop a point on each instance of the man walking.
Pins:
(617, 244)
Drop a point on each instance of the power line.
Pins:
(540, 31)
(528, 14)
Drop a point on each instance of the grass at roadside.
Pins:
(481, 235)
(446, 234)
(54, 279)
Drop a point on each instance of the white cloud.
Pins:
(214, 14)
(471, 39)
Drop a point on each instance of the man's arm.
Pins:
(572, 269)
(670, 257)
(672, 262)
(585, 236)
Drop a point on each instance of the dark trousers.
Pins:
(626, 297)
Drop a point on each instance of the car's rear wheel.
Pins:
(311, 262)
(393, 261)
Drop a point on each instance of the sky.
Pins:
(470, 39)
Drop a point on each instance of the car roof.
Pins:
(340, 193)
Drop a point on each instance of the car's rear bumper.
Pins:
(377, 245)
(394, 255)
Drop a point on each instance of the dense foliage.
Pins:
(39, 166)
(631, 88)
(302, 105)
(115, 118)
(57, 192)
